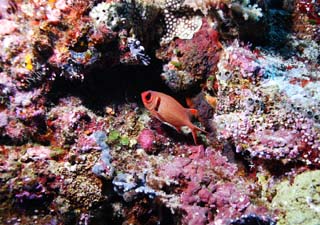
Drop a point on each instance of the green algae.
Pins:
(124, 140)
(116, 138)
(177, 64)
(57, 153)
(113, 136)
(299, 202)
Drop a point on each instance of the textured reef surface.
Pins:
(77, 145)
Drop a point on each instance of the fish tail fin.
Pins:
(194, 130)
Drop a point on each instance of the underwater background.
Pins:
(160, 112)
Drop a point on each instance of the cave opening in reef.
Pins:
(117, 85)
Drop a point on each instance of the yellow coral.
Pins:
(28, 61)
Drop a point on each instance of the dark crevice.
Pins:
(118, 85)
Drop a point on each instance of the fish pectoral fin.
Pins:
(178, 129)
(192, 112)
(158, 116)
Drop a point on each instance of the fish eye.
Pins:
(148, 96)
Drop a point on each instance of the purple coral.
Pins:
(38, 192)
(225, 199)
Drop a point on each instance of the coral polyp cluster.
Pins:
(77, 145)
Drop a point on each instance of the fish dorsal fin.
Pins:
(192, 112)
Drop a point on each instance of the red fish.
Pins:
(170, 111)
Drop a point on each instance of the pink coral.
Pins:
(225, 199)
(208, 195)
(7, 26)
(195, 215)
(146, 139)
(266, 107)
(201, 164)
(230, 201)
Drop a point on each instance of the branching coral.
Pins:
(103, 168)
(137, 51)
(247, 10)
(130, 186)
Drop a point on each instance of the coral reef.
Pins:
(78, 147)
(129, 186)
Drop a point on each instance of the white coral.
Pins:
(106, 14)
(252, 11)
(204, 5)
(182, 25)
(248, 11)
